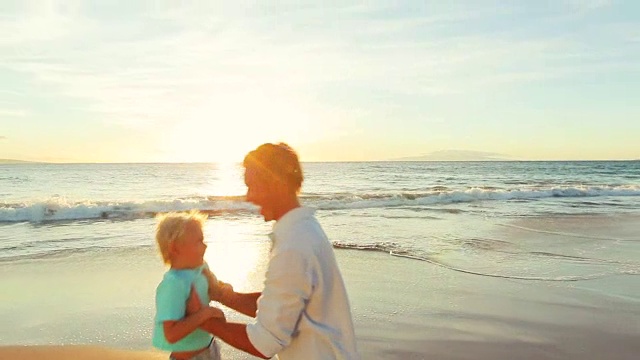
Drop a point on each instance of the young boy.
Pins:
(181, 243)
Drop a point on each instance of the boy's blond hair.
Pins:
(171, 227)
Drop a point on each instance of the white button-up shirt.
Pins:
(304, 311)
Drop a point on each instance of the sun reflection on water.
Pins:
(237, 252)
(225, 179)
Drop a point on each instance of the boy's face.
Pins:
(191, 247)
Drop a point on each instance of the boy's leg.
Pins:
(215, 350)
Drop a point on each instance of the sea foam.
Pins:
(60, 209)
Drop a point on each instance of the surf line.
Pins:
(377, 247)
(514, 277)
(580, 236)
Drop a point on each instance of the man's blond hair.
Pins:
(276, 162)
(171, 227)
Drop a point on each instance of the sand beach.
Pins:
(100, 306)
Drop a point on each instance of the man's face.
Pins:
(260, 192)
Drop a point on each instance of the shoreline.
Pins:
(100, 306)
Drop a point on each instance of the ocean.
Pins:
(447, 260)
(458, 215)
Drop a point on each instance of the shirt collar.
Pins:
(287, 220)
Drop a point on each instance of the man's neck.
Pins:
(287, 205)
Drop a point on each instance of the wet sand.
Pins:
(403, 309)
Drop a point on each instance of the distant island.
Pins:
(14, 161)
(457, 155)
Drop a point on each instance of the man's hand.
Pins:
(196, 315)
(223, 293)
(194, 305)
(214, 313)
(218, 290)
(193, 302)
(226, 292)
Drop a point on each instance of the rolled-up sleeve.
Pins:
(288, 286)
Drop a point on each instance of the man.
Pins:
(303, 311)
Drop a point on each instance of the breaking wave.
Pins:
(60, 209)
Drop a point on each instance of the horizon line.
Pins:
(27, 162)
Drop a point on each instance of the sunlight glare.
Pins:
(228, 126)
(225, 179)
(233, 257)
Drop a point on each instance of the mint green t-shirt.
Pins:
(171, 304)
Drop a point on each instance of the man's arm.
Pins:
(246, 303)
(233, 334)
(223, 293)
(288, 286)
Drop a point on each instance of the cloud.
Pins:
(12, 113)
(586, 6)
(35, 22)
(158, 66)
(3, 137)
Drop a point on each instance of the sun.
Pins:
(196, 141)
(228, 126)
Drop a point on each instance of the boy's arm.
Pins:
(232, 333)
(223, 293)
(176, 330)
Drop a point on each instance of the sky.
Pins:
(136, 81)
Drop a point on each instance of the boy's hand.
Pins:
(193, 302)
(194, 305)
